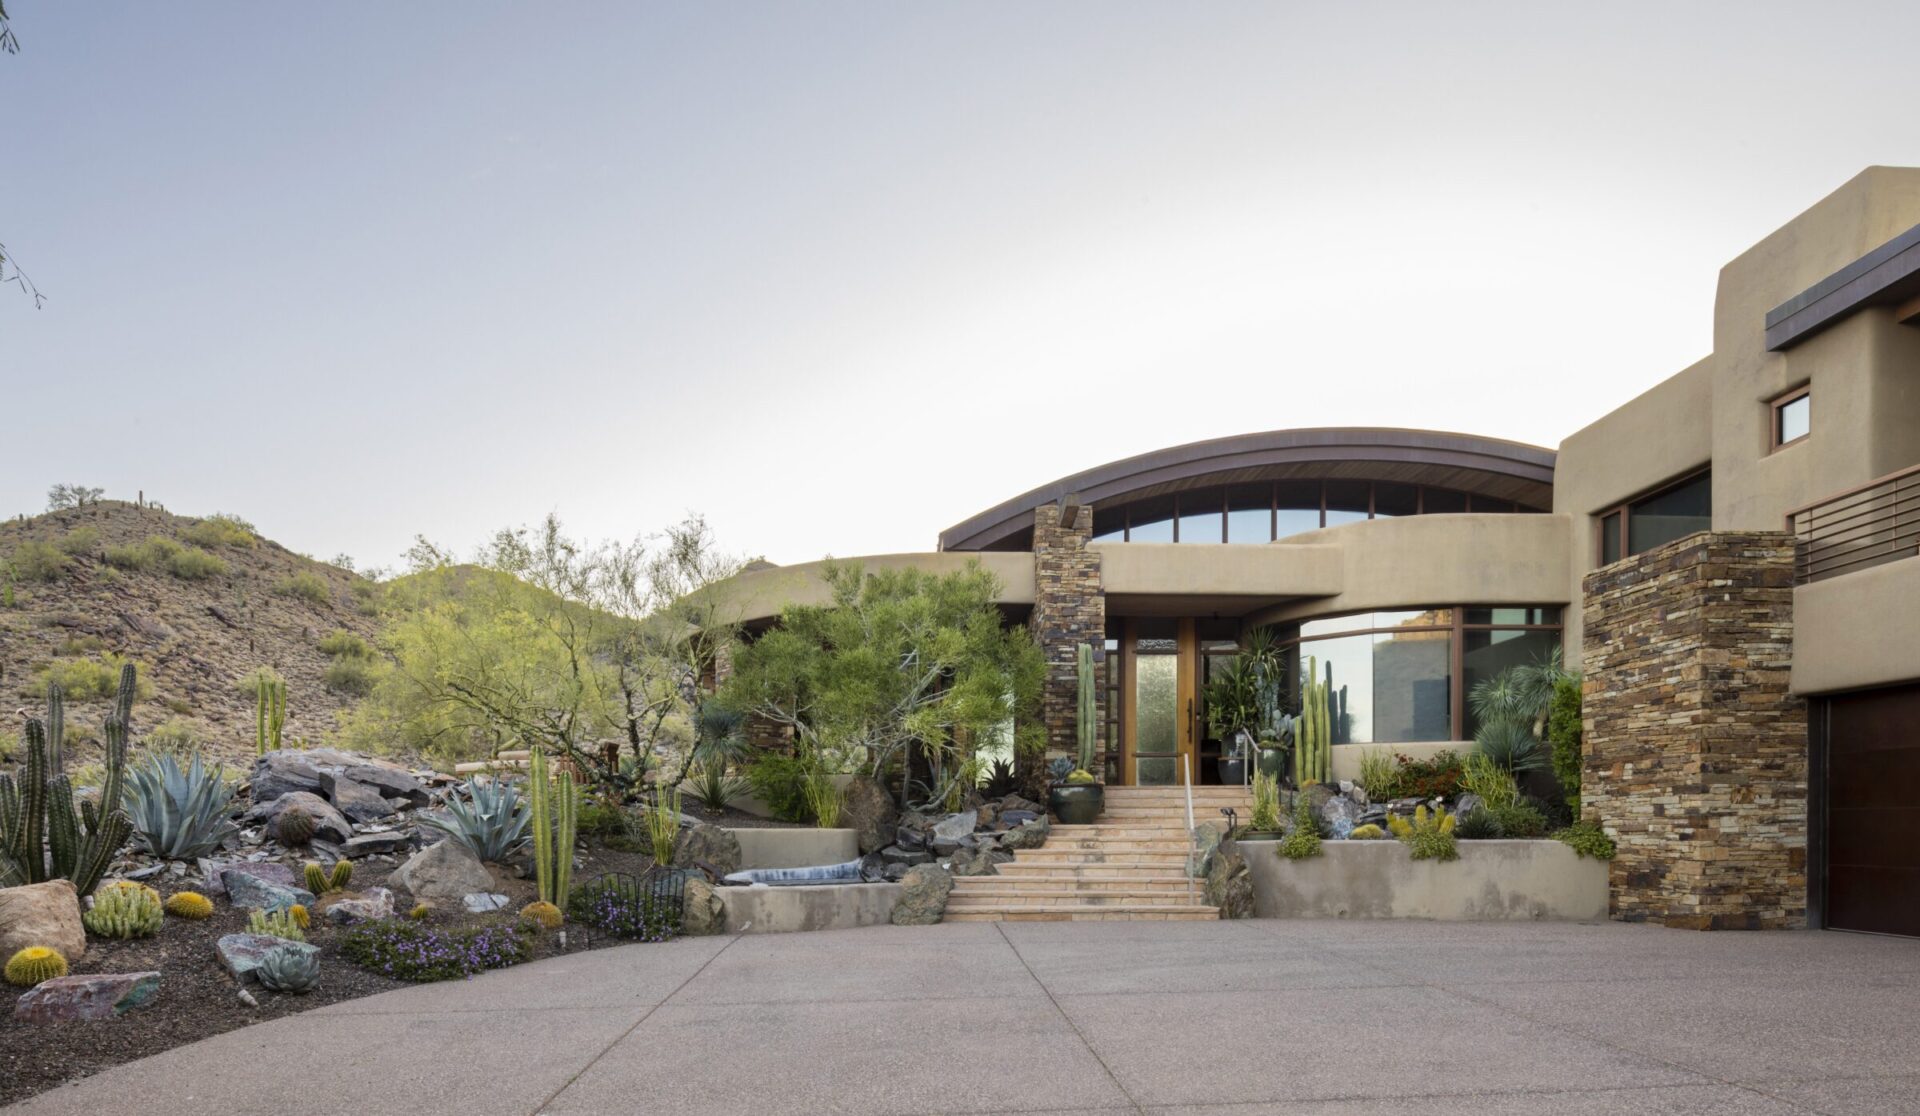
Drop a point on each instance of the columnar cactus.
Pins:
(1088, 726)
(269, 713)
(1313, 733)
(42, 834)
(555, 824)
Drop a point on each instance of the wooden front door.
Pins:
(1160, 691)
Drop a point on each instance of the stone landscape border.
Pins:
(1492, 880)
(775, 910)
(795, 848)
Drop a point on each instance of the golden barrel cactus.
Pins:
(35, 964)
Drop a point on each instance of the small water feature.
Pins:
(847, 873)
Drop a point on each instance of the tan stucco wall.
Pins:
(759, 595)
(1860, 629)
(1265, 570)
(1439, 560)
(1492, 880)
(780, 847)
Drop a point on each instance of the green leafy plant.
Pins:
(1266, 803)
(1304, 840)
(39, 561)
(1482, 775)
(350, 675)
(93, 679)
(1563, 735)
(125, 909)
(1587, 839)
(662, 821)
(341, 642)
(193, 564)
(289, 970)
(1437, 776)
(80, 542)
(492, 823)
(178, 813)
(1513, 709)
(1520, 820)
(1380, 775)
(1477, 825)
(277, 924)
(780, 781)
(823, 797)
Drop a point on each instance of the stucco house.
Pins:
(1733, 560)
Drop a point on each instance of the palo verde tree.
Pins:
(895, 661)
(10, 268)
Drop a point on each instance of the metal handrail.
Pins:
(1193, 836)
(1863, 526)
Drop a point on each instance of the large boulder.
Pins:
(349, 907)
(442, 871)
(255, 893)
(923, 895)
(280, 773)
(329, 824)
(707, 846)
(1339, 815)
(385, 842)
(390, 781)
(89, 997)
(976, 861)
(1027, 835)
(703, 912)
(1229, 884)
(355, 799)
(868, 810)
(42, 914)
(218, 872)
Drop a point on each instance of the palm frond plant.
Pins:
(178, 813)
(492, 824)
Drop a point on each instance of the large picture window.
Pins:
(1401, 677)
(1265, 511)
(1670, 513)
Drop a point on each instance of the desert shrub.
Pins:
(133, 556)
(39, 561)
(366, 598)
(350, 675)
(248, 684)
(418, 952)
(1437, 776)
(81, 645)
(1477, 825)
(308, 587)
(1563, 734)
(219, 530)
(193, 564)
(1518, 820)
(92, 679)
(1587, 839)
(780, 781)
(173, 736)
(1304, 840)
(80, 541)
(1494, 784)
(343, 642)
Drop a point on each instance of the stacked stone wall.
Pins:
(1695, 751)
(1069, 608)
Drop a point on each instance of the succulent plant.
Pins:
(285, 969)
(543, 914)
(179, 813)
(320, 881)
(1366, 833)
(45, 834)
(294, 827)
(300, 916)
(555, 821)
(492, 827)
(189, 905)
(419, 912)
(277, 924)
(35, 964)
(125, 909)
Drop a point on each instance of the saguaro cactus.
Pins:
(555, 823)
(1088, 726)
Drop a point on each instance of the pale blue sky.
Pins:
(840, 275)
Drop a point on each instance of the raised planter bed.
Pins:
(774, 910)
(795, 848)
(1492, 880)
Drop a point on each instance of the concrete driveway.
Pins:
(1230, 1017)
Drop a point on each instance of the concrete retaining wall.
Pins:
(1375, 879)
(796, 848)
(775, 910)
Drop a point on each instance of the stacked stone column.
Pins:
(1069, 608)
(1695, 751)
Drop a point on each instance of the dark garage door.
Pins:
(1873, 811)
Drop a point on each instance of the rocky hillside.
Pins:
(197, 604)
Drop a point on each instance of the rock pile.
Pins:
(968, 843)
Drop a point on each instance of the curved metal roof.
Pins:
(1464, 462)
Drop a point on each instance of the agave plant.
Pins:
(286, 969)
(712, 787)
(179, 813)
(492, 826)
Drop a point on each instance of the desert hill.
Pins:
(198, 604)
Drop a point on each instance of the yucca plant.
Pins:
(663, 825)
(179, 813)
(492, 825)
(712, 787)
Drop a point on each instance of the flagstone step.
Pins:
(1076, 912)
(1037, 881)
(1042, 897)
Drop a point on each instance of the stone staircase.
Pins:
(1131, 865)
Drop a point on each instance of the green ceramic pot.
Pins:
(1077, 803)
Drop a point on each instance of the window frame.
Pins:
(1274, 508)
(1775, 409)
(1624, 509)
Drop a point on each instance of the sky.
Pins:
(838, 276)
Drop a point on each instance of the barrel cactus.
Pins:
(543, 914)
(189, 905)
(285, 969)
(294, 827)
(321, 882)
(35, 964)
(125, 909)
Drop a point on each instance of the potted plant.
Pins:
(1275, 745)
(1075, 796)
(1233, 759)
(1264, 824)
